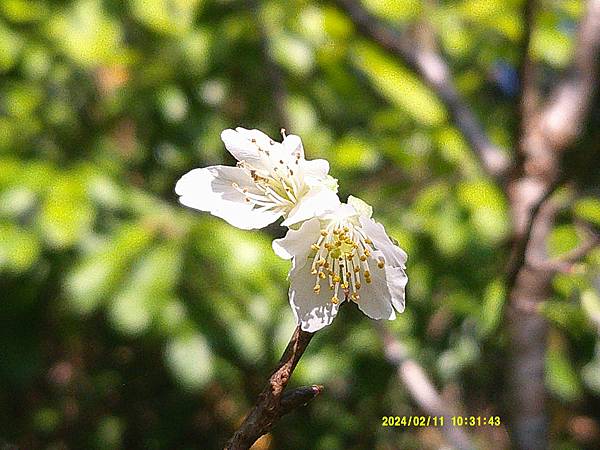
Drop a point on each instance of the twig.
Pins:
(434, 70)
(522, 240)
(299, 397)
(565, 262)
(273, 402)
(421, 389)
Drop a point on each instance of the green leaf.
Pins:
(190, 359)
(95, 277)
(562, 239)
(19, 249)
(588, 208)
(10, 48)
(399, 85)
(561, 377)
(170, 17)
(66, 214)
(492, 308)
(146, 290)
(568, 316)
(87, 34)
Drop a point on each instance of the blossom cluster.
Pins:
(338, 252)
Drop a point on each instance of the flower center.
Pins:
(342, 255)
(277, 186)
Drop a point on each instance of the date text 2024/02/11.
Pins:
(440, 421)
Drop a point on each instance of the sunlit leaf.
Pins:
(399, 85)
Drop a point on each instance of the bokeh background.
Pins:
(127, 321)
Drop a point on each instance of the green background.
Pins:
(128, 321)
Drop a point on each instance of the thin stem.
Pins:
(273, 402)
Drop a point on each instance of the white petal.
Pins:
(195, 190)
(393, 254)
(361, 207)
(341, 212)
(245, 218)
(293, 145)
(243, 149)
(211, 189)
(315, 203)
(296, 243)
(312, 311)
(275, 150)
(315, 170)
(375, 297)
(396, 279)
(262, 140)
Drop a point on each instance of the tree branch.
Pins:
(521, 241)
(545, 134)
(273, 402)
(434, 70)
(529, 96)
(564, 116)
(421, 389)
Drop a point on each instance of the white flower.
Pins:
(271, 180)
(343, 255)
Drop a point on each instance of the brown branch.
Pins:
(545, 135)
(421, 389)
(299, 397)
(434, 71)
(564, 116)
(522, 240)
(547, 132)
(529, 95)
(273, 402)
(527, 330)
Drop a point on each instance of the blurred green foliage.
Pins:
(130, 322)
